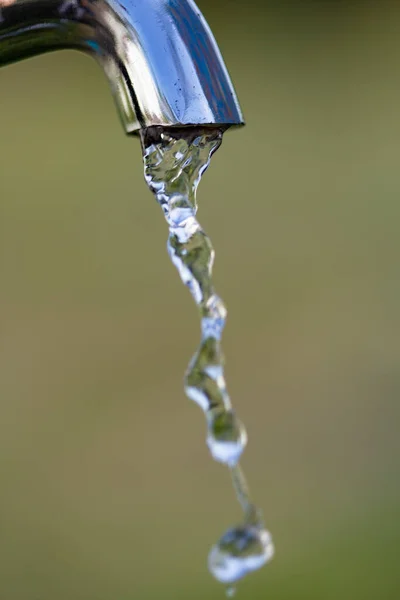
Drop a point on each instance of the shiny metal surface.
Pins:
(160, 57)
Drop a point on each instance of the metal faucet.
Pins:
(160, 56)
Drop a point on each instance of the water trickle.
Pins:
(230, 591)
(174, 164)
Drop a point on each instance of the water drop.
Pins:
(227, 436)
(240, 550)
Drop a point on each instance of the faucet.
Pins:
(160, 57)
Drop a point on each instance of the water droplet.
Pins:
(227, 437)
(230, 591)
(241, 550)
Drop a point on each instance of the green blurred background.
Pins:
(107, 488)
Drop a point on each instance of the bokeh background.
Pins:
(107, 488)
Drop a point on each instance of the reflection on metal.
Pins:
(160, 56)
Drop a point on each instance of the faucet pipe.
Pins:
(160, 57)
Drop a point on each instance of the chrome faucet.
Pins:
(160, 57)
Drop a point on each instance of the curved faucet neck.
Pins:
(160, 57)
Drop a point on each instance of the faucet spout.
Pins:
(160, 56)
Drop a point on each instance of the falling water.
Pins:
(173, 165)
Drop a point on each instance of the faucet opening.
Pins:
(160, 57)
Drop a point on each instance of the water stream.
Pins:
(174, 164)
